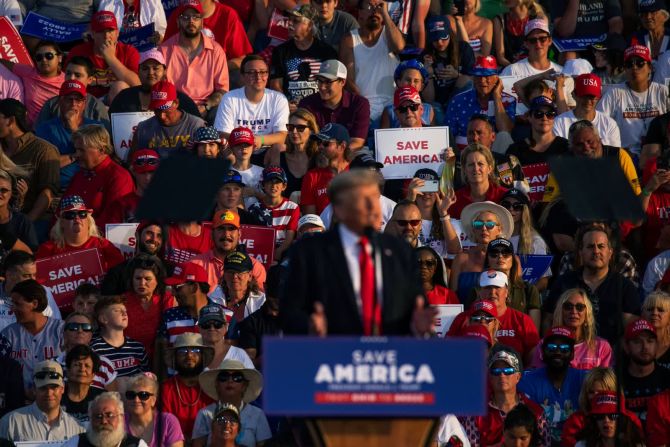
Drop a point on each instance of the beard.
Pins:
(186, 371)
(104, 437)
(190, 35)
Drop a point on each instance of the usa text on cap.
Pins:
(588, 85)
(72, 86)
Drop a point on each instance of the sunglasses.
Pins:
(405, 223)
(298, 127)
(430, 263)
(579, 307)
(498, 253)
(47, 375)
(148, 161)
(325, 81)
(539, 114)
(611, 417)
(636, 64)
(39, 57)
(482, 319)
(479, 224)
(70, 215)
(516, 206)
(76, 327)
(188, 18)
(143, 395)
(186, 351)
(563, 348)
(212, 324)
(534, 40)
(404, 109)
(226, 376)
(226, 420)
(508, 371)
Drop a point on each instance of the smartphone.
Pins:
(430, 186)
(460, 7)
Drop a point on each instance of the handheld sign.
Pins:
(11, 44)
(141, 38)
(278, 28)
(536, 176)
(61, 274)
(373, 376)
(403, 151)
(123, 129)
(260, 243)
(508, 87)
(169, 6)
(446, 316)
(578, 43)
(534, 266)
(45, 28)
(122, 235)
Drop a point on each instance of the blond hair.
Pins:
(599, 374)
(486, 153)
(589, 326)
(58, 236)
(94, 135)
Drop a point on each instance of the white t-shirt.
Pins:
(523, 68)
(268, 116)
(252, 178)
(426, 239)
(607, 127)
(633, 111)
(387, 211)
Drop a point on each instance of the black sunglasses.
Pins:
(146, 161)
(39, 57)
(579, 307)
(534, 40)
(430, 263)
(496, 253)
(226, 376)
(405, 223)
(538, 114)
(482, 318)
(47, 375)
(212, 324)
(516, 206)
(404, 109)
(298, 127)
(187, 350)
(143, 395)
(637, 64)
(611, 417)
(76, 327)
(70, 215)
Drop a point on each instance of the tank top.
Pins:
(294, 183)
(378, 64)
(476, 45)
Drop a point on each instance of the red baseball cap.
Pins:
(103, 20)
(189, 272)
(193, 4)
(72, 86)
(478, 331)
(588, 84)
(144, 160)
(604, 402)
(241, 135)
(640, 51)
(485, 306)
(560, 331)
(407, 93)
(637, 327)
(163, 93)
(485, 66)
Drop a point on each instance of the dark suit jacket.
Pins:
(318, 272)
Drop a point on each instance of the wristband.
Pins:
(445, 217)
(262, 140)
(645, 193)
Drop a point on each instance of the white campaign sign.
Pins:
(123, 128)
(446, 315)
(508, 87)
(122, 235)
(406, 150)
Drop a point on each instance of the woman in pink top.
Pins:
(574, 310)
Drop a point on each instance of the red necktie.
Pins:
(371, 309)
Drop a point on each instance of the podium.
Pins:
(373, 391)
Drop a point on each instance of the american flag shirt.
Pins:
(283, 217)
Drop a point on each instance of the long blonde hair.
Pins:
(535, 10)
(598, 374)
(589, 326)
(58, 236)
(527, 232)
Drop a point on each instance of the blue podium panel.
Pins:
(373, 376)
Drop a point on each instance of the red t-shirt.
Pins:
(314, 190)
(181, 247)
(108, 253)
(226, 28)
(103, 77)
(658, 419)
(143, 324)
(184, 402)
(658, 216)
(491, 426)
(441, 295)
(463, 198)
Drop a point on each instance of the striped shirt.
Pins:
(283, 217)
(127, 360)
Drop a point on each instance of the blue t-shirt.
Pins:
(557, 404)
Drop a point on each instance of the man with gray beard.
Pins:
(107, 428)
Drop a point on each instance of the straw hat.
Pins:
(191, 340)
(253, 377)
(505, 219)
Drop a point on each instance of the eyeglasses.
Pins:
(516, 206)
(498, 253)
(298, 127)
(326, 143)
(146, 161)
(257, 73)
(611, 416)
(479, 224)
(226, 420)
(186, 351)
(636, 64)
(534, 40)
(325, 81)
(226, 376)
(188, 18)
(102, 416)
(70, 215)
(143, 395)
(405, 223)
(47, 375)
(76, 327)
(482, 319)
(212, 324)
(579, 307)
(404, 109)
(39, 57)
(538, 114)
(4, 191)
(508, 371)
(429, 263)
(553, 348)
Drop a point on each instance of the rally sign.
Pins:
(405, 150)
(373, 376)
(122, 235)
(141, 38)
(49, 29)
(508, 87)
(260, 243)
(536, 175)
(169, 6)
(278, 28)
(578, 43)
(446, 315)
(534, 266)
(123, 129)
(62, 274)
(11, 44)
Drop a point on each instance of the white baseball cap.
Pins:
(492, 278)
(311, 219)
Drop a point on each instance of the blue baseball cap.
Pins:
(650, 6)
(333, 131)
(411, 64)
(232, 176)
(542, 101)
(274, 172)
(438, 28)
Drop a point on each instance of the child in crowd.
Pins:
(85, 297)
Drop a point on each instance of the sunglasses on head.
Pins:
(636, 64)
(298, 127)
(539, 114)
(564, 348)
(516, 206)
(75, 327)
(48, 375)
(70, 215)
(534, 40)
(39, 57)
(406, 223)
(482, 318)
(186, 351)
(479, 224)
(212, 324)
(498, 253)
(427, 263)
(143, 395)
(507, 371)
(579, 307)
(148, 161)
(404, 109)
(611, 416)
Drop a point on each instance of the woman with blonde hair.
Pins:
(574, 311)
(474, 29)
(508, 30)
(656, 310)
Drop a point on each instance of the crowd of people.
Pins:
(165, 347)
